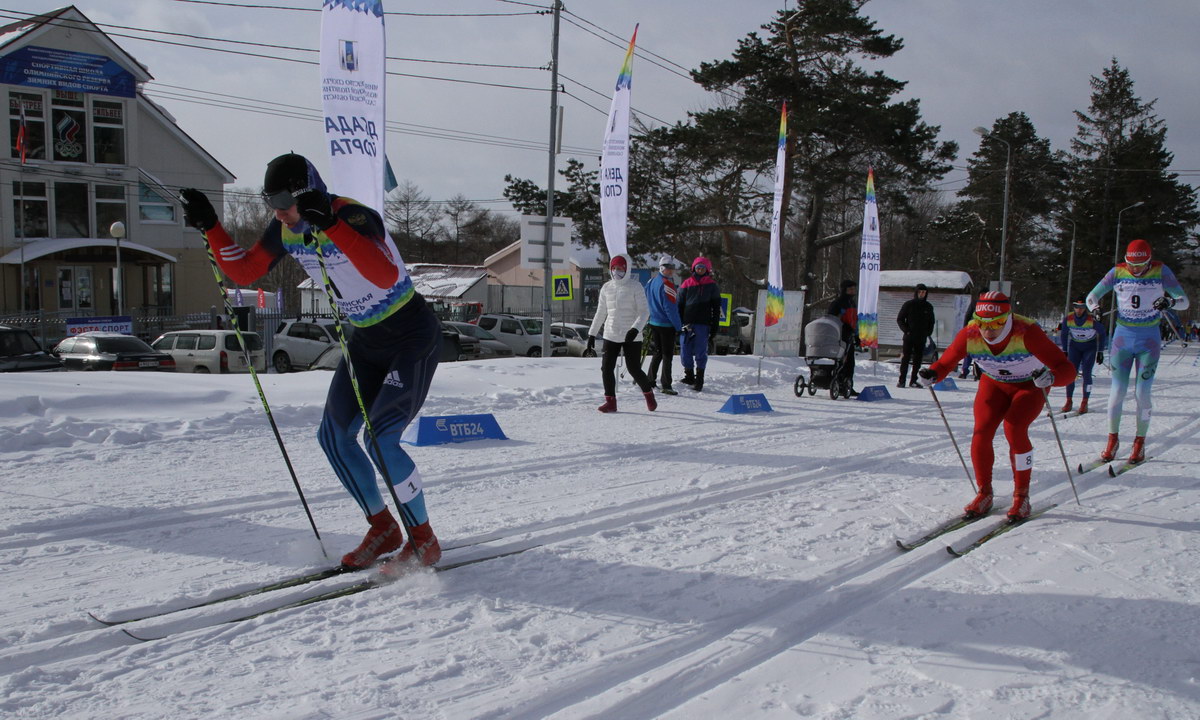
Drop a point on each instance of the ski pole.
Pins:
(362, 406)
(1171, 324)
(261, 395)
(1054, 424)
(946, 422)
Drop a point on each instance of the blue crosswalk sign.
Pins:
(563, 288)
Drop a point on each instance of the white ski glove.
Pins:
(926, 377)
(1043, 378)
(1092, 305)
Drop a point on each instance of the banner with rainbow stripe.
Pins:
(868, 270)
(614, 162)
(775, 267)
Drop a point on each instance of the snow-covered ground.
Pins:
(684, 563)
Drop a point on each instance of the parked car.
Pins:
(299, 342)
(489, 346)
(576, 336)
(455, 346)
(20, 352)
(111, 351)
(212, 351)
(522, 334)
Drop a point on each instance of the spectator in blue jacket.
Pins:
(661, 293)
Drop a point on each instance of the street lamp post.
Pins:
(117, 230)
(1116, 259)
(1071, 262)
(983, 133)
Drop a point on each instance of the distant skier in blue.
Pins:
(1083, 338)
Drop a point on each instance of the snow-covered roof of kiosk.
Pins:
(932, 279)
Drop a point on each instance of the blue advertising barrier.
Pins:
(872, 393)
(452, 429)
(741, 404)
(947, 384)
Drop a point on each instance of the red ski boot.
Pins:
(1020, 508)
(610, 404)
(1083, 406)
(651, 403)
(422, 549)
(1067, 407)
(1138, 453)
(383, 537)
(1110, 450)
(981, 505)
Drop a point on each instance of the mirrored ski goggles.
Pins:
(283, 199)
(1136, 266)
(991, 323)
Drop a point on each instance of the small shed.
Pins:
(949, 293)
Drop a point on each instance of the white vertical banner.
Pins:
(614, 163)
(775, 305)
(868, 270)
(352, 90)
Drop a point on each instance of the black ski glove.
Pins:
(926, 377)
(1099, 358)
(314, 207)
(591, 342)
(197, 210)
(632, 335)
(1163, 303)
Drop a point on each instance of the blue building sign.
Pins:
(43, 67)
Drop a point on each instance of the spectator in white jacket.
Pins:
(621, 313)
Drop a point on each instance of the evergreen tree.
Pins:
(1120, 159)
(1036, 185)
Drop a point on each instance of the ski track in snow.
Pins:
(688, 563)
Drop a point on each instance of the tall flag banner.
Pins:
(868, 270)
(352, 90)
(775, 266)
(614, 163)
(22, 136)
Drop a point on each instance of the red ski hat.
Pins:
(992, 309)
(1138, 252)
(618, 263)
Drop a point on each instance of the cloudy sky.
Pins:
(969, 61)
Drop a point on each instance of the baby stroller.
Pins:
(826, 356)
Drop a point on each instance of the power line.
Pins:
(244, 6)
(278, 109)
(228, 51)
(40, 173)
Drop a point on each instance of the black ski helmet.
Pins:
(287, 176)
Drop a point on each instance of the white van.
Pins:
(212, 351)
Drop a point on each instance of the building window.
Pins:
(30, 216)
(35, 124)
(110, 207)
(71, 210)
(68, 124)
(152, 206)
(108, 132)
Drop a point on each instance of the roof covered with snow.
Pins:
(932, 279)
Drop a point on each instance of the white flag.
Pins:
(868, 270)
(614, 164)
(352, 88)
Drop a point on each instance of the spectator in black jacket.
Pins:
(916, 321)
(845, 308)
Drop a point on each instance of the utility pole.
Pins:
(547, 288)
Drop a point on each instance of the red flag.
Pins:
(21, 135)
(262, 299)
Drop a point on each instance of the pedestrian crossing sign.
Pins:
(564, 289)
